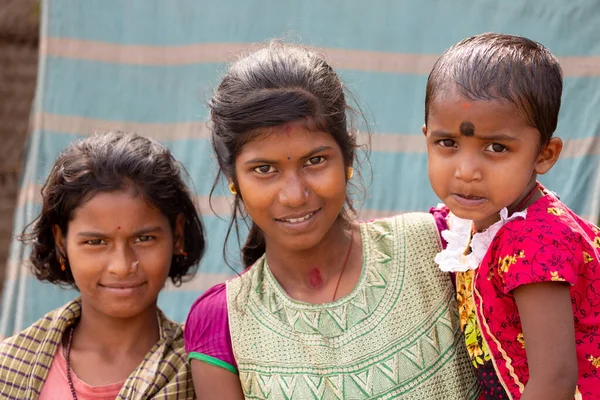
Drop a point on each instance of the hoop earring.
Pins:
(349, 173)
(232, 188)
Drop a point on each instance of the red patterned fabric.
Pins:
(552, 244)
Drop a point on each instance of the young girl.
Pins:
(528, 277)
(329, 308)
(117, 220)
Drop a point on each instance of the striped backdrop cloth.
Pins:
(150, 65)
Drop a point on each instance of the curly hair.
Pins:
(110, 162)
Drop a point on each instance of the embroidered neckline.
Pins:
(458, 237)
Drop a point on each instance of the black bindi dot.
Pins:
(467, 128)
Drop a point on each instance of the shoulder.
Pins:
(18, 352)
(409, 219)
(546, 245)
(209, 309)
(547, 222)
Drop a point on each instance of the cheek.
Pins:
(86, 266)
(258, 199)
(330, 185)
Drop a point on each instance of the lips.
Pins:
(468, 200)
(298, 218)
(122, 285)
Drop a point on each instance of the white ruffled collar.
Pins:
(453, 258)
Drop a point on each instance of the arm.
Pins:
(212, 382)
(549, 333)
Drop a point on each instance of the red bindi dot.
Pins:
(118, 228)
(465, 105)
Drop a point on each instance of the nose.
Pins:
(468, 170)
(123, 262)
(293, 192)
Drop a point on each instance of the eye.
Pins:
(496, 148)
(95, 242)
(447, 143)
(144, 238)
(264, 169)
(315, 160)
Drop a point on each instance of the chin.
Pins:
(127, 309)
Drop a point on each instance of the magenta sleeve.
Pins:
(439, 215)
(206, 332)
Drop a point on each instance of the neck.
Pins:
(312, 274)
(100, 333)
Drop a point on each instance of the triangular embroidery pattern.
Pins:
(339, 315)
(336, 383)
(378, 233)
(415, 354)
(261, 287)
(360, 301)
(375, 279)
(433, 339)
(311, 318)
(264, 383)
(247, 379)
(316, 384)
(381, 257)
(287, 385)
(390, 368)
(292, 316)
(364, 381)
(275, 304)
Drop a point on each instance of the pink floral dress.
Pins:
(547, 243)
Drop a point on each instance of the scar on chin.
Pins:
(467, 128)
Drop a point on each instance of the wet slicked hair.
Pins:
(509, 68)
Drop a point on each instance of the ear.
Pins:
(179, 233)
(424, 130)
(548, 156)
(59, 242)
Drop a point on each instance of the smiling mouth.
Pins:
(297, 220)
(124, 286)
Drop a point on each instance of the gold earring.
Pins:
(350, 173)
(232, 188)
(62, 265)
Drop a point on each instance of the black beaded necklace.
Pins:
(68, 357)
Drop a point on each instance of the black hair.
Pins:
(111, 162)
(270, 87)
(494, 66)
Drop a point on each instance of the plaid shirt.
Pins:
(25, 360)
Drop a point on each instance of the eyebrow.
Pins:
(498, 137)
(268, 161)
(141, 232)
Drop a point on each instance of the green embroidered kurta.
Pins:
(396, 335)
(26, 358)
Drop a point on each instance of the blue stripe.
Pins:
(394, 102)
(411, 27)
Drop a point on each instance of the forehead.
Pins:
(106, 210)
(451, 110)
(292, 139)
